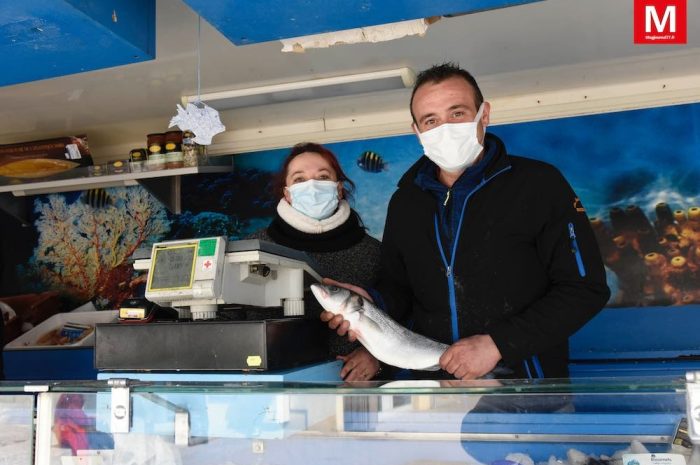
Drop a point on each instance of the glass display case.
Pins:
(16, 425)
(582, 422)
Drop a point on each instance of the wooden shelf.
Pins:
(164, 184)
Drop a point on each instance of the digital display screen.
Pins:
(173, 267)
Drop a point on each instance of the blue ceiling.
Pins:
(251, 21)
(42, 39)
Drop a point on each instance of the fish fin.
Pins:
(358, 303)
(370, 322)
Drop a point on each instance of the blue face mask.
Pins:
(316, 199)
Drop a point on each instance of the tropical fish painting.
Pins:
(97, 198)
(371, 162)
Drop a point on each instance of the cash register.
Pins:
(240, 307)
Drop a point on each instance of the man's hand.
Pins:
(337, 322)
(358, 365)
(471, 358)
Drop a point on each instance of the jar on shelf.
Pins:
(193, 154)
(96, 170)
(137, 159)
(156, 142)
(156, 151)
(202, 155)
(173, 141)
(189, 149)
(173, 149)
(119, 167)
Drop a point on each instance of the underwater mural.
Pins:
(84, 245)
(637, 174)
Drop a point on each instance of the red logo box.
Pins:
(660, 22)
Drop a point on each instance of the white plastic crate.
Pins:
(27, 361)
(28, 340)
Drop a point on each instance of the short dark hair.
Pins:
(438, 73)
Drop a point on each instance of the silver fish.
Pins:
(383, 337)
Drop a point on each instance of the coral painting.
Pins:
(84, 246)
(233, 204)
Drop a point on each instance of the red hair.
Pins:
(303, 147)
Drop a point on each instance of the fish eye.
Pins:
(333, 288)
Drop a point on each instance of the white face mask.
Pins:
(316, 199)
(453, 146)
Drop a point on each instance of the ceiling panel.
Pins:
(247, 22)
(42, 39)
(527, 50)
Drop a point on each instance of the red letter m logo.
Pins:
(660, 22)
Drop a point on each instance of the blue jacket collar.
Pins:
(426, 177)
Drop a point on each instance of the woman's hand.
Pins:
(358, 365)
(337, 322)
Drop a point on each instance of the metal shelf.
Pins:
(164, 184)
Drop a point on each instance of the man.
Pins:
(485, 251)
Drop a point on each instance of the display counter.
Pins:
(119, 421)
(16, 425)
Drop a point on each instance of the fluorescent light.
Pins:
(311, 89)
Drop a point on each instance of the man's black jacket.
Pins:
(527, 269)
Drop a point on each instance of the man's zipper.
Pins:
(450, 264)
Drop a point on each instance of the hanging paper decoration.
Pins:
(199, 118)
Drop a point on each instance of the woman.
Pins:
(314, 216)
